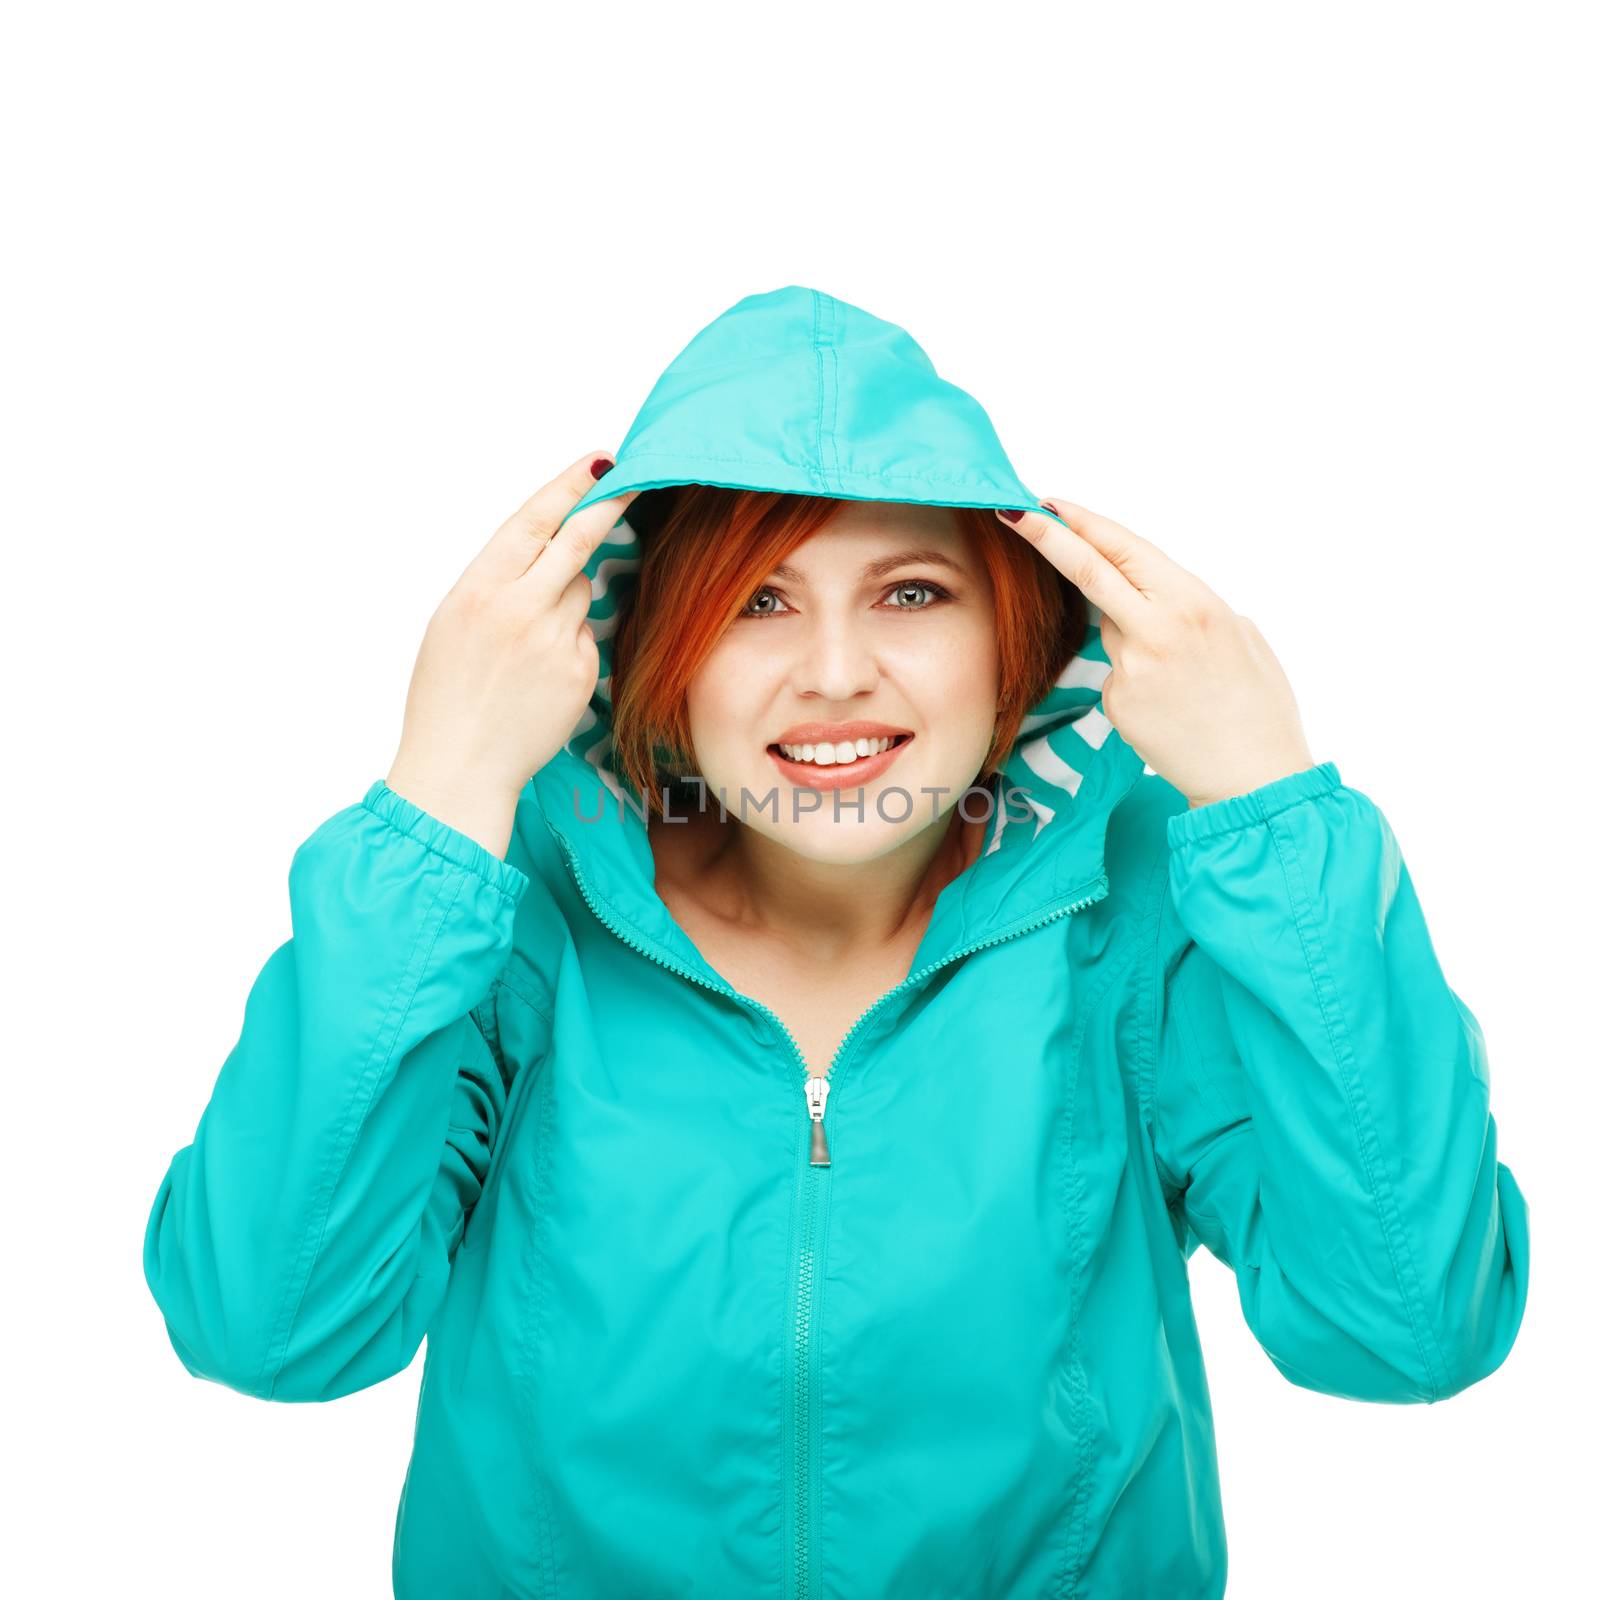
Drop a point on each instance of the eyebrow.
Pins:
(920, 555)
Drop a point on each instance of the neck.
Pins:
(744, 878)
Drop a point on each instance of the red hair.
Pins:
(706, 550)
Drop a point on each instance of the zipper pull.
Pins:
(816, 1101)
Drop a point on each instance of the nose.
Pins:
(834, 657)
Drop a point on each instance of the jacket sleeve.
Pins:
(299, 1246)
(1319, 1100)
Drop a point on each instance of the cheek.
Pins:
(723, 704)
(954, 678)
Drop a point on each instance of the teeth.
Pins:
(835, 755)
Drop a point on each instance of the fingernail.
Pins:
(1048, 507)
(1012, 516)
(599, 467)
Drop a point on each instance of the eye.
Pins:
(754, 600)
(914, 585)
(766, 602)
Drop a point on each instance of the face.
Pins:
(874, 644)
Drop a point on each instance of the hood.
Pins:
(799, 392)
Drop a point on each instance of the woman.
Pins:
(785, 1056)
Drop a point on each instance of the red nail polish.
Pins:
(599, 467)
(1012, 516)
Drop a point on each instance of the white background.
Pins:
(302, 301)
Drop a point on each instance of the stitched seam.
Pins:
(528, 1000)
(1328, 1003)
(830, 376)
(817, 1351)
(1078, 1504)
(339, 1156)
(1183, 1017)
(799, 466)
(533, 1326)
(816, 357)
(786, 1382)
(816, 352)
(1150, 982)
(486, 1014)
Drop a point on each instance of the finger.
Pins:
(566, 553)
(1100, 580)
(1111, 639)
(573, 602)
(1145, 565)
(518, 540)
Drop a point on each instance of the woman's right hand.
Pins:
(507, 663)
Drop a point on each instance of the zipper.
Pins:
(805, 1412)
(666, 961)
(816, 1104)
(816, 1087)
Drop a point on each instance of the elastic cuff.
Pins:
(439, 837)
(1256, 805)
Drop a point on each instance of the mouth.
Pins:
(840, 766)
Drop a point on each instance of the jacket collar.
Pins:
(1027, 871)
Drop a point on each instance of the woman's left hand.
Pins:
(1194, 688)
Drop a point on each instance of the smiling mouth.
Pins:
(842, 754)
(810, 764)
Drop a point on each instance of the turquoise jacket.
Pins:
(507, 1104)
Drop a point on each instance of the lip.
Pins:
(833, 732)
(851, 776)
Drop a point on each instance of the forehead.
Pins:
(891, 518)
(867, 528)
